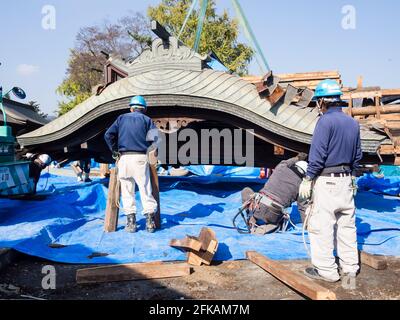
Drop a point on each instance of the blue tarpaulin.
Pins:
(72, 215)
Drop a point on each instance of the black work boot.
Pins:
(150, 223)
(131, 223)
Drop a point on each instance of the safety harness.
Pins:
(246, 212)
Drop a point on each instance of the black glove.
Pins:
(302, 156)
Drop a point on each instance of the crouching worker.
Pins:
(266, 209)
(38, 163)
(130, 138)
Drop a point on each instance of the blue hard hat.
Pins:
(138, 102)
(328, 88)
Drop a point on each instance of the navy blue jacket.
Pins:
(336, 142)
(129, 133)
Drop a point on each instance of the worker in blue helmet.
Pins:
(130, 138)
(138, 102)
(330, 186)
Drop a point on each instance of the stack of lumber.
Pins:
(308, 80)
(200, 250)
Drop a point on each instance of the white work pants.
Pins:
(332, 225)
(134, 169)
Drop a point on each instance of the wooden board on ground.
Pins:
(132, 272)
(294, 280)
(188, 244)
(373, 261)
(209, 247)
(112, 211)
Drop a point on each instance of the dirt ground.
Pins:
(239, 280)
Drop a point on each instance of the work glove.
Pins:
(354, 186)
(29, 156)
(302, 156)
(305, 189)
(152, 156)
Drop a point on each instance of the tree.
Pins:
(86, 62)
(220, 32)
(36, 107)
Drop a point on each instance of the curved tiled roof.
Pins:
(178, 76)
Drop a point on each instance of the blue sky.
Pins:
(296, 36)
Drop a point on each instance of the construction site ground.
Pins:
(236, 280)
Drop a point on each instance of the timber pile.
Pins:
(200, 250)
(372, 106)
(308, 80)
(375, 111)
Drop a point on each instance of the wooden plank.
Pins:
(189, 243)
(350, 108)
(253, 79)
(112, 211)
(209, 247)
(306, 76)
(309, 76)
(294, 280)
(373, 261)
(306, 83)
(132, 272)
(362, 95)
(391, 92)
(155, 187)
(206, 236)
(377, 107)
(369, 111)
(203, 256)
(360, 80)
(389, 149)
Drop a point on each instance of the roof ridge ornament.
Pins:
(166, 53)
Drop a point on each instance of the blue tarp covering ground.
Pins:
(73, 215)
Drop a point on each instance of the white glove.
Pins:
(305, 190)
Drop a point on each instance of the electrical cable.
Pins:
(194, 3)
(251, 37)
(200, 24)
